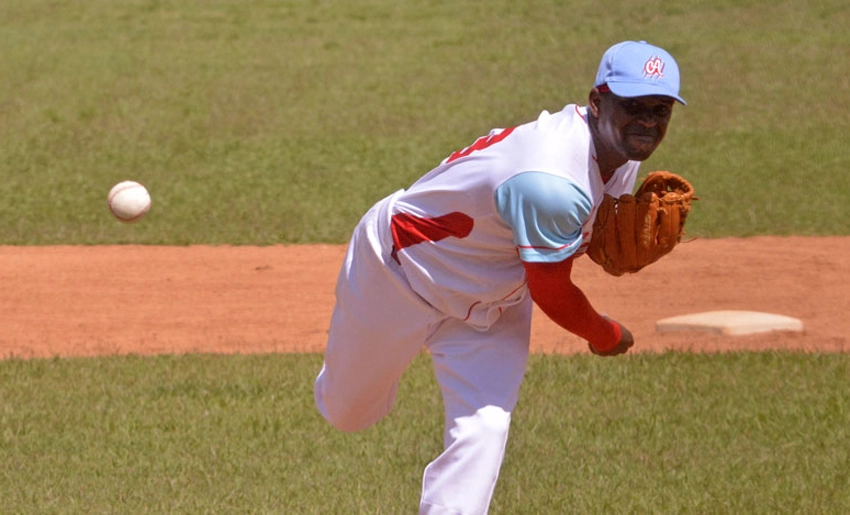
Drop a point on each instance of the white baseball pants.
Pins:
(378, 327)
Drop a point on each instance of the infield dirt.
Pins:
(99, 300)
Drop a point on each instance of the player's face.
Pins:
(632, 128)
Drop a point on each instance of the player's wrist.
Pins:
(607, 338)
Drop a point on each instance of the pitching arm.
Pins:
(546, 213)
(553, 290)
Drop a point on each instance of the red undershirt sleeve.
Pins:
(552, 289)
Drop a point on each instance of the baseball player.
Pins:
(454, 262)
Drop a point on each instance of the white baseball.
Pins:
(129, 201)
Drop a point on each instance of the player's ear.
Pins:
(593, 100)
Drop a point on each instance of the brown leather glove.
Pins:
(633, 231)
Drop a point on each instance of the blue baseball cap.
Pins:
(637, 69)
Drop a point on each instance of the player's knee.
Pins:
(347, 420)
(343, 417)
(487, 428)
(492, 422)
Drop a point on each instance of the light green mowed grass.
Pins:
(281, 122)
(264, 122)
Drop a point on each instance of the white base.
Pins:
(729, 323)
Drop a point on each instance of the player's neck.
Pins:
(607, 159)
(607, 164)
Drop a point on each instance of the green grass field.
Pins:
(670, 433)
(259, 122)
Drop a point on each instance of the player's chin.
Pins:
(639, 149)
(641, 154)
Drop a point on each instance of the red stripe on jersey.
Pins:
(561, 247)
(409, 229)
(578, 112)
(480, 144)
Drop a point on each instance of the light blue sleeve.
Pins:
(546, 213)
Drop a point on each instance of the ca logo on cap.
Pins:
(654, 68)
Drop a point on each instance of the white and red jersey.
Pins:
(524, 193)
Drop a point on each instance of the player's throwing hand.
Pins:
(623, 345)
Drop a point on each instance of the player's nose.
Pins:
(648, 119)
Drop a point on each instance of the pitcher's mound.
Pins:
(729, 323)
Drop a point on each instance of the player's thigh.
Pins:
(377, 342)
(378, 326)
(477, 369)
(376, 311)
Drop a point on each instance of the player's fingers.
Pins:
(645, 226)
(673, 224)
(610, 240)
(626, 207)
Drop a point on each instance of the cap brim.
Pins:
(631, 90)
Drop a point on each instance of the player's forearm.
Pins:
(553, 291)
(575, 314)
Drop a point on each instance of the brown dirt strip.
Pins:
(99, 300)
